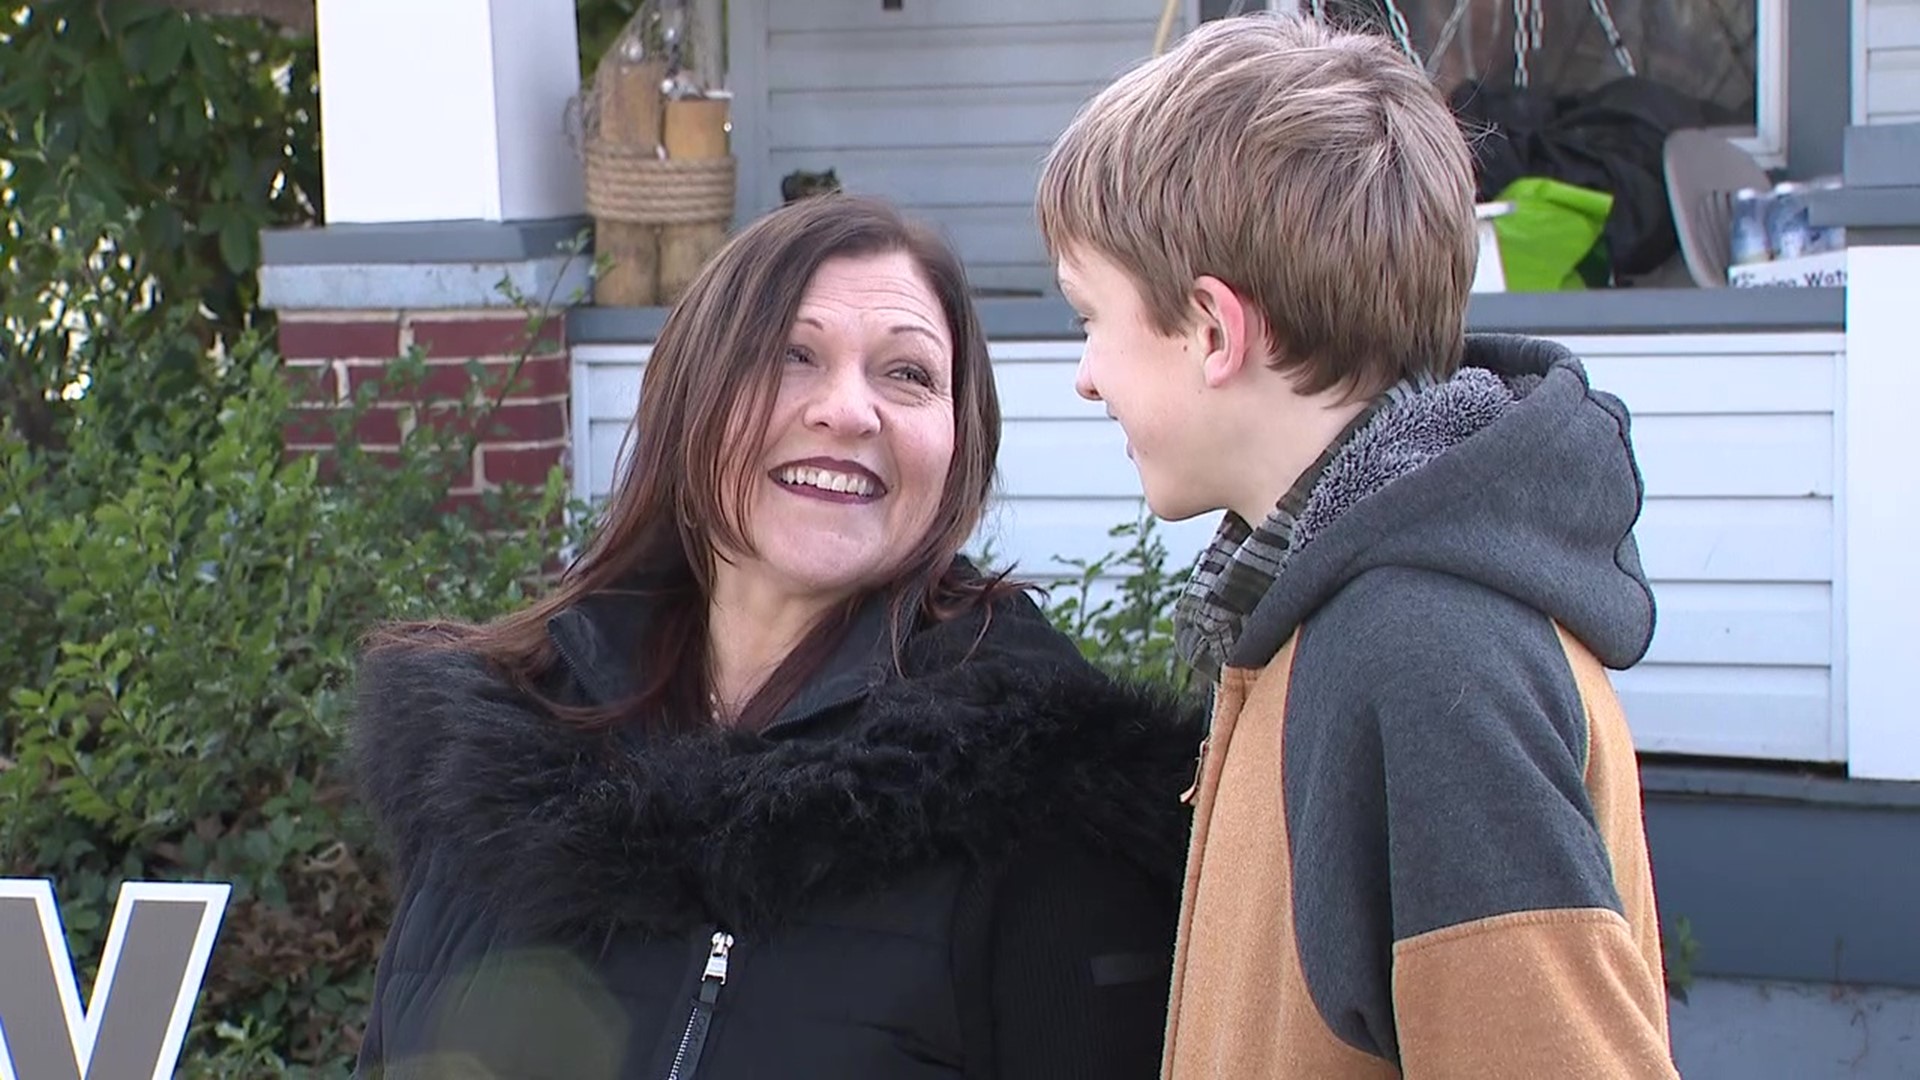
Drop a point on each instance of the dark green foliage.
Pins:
(185, 601)
(1120, 606)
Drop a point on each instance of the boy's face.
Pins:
(1149, 382)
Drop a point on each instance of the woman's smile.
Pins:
(830, 480)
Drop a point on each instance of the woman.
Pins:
(774, 784)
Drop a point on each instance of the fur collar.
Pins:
(569, 836)
(1406, 434)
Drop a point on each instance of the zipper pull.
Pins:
(693, 1041)
(717, 959)
(1199, 766)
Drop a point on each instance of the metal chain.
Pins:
(1447, 33)
(1529, 31)
(1603, 11)
(1400, 32)
(1528, 24)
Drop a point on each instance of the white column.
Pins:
(1882, 526)
(448, 110)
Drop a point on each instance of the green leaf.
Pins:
(236, 244)
(80, 920)
(207, 57)
(96, 94)
(169, 48)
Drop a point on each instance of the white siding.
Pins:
(945, 108)
(1891, 81)
(1736, 435)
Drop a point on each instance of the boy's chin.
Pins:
(1173, 506)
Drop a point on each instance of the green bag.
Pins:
(1552, 230)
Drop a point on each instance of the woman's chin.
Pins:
(826, 572)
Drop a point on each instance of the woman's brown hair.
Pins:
(681, 495)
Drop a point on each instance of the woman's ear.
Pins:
(1224, 328)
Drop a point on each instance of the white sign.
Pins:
(156, 956)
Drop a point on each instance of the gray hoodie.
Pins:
(1457, 844)
(1537, 505)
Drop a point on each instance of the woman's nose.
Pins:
(844, 403)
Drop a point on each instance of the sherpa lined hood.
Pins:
(1515, 474)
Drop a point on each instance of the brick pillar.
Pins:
(334, 354)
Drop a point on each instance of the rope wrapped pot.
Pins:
(634, 186)
(659, 173)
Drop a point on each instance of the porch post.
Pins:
(447, 110)
(448, 172)
(1881, 505)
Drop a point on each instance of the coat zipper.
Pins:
(686, 1060)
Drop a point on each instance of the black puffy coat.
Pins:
(937, 868)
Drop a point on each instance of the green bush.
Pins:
(195, 131)
(185, 602)
(1119, 607)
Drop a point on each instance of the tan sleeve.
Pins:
(1562, 993)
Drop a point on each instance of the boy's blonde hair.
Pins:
(1315, 171)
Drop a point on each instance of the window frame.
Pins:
(1766, 140)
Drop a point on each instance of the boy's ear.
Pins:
(1225, 326)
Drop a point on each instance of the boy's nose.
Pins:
(1083, 381)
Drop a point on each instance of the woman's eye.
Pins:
(798, 355)
(1079, 323)
(916, 374)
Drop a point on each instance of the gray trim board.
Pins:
(1908, 236)
(1776, 785)
(747, 77)
(1788, 878)
(1866, 207)
(1819, 87)
(421, 242)
(613, 325)
(422, 286)
(1619, 311)
(1883, 155)
(1628, 311)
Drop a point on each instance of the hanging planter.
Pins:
(659, 173)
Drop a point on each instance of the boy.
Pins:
(1418, 847)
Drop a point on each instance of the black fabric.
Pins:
(840, 848)
(1062, 951)
(1611, 139)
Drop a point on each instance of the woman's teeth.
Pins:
(827, 480)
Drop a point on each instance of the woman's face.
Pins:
(850, 475)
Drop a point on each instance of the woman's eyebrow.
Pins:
(912, 328)
(895, 330)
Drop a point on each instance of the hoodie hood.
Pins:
(1515, 474)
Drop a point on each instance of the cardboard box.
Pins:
(1826, 269)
